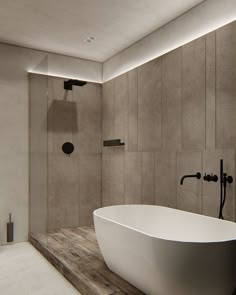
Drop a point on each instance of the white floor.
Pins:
(24, 271)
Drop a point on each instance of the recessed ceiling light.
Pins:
(89, 39)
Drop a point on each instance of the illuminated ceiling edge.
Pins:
(197, 22)
(66, 76)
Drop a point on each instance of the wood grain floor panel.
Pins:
(76, 255)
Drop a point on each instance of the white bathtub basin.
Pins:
(164, 251)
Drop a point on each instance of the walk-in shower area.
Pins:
(65, 153)
(66, 180)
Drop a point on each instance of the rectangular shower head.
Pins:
(68, 84)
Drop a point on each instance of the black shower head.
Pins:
(68, 84)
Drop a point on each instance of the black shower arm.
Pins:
(197, 175)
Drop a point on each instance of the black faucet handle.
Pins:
(198, 175)
(215, 178)
(229, 179)
(210, 177)
(226, 178)
(207, 177)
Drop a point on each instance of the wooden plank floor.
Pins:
(76, 254)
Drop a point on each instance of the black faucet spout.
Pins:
(197, 175)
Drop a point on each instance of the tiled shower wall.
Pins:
(176, 115)
(74, 182)
(64, 190)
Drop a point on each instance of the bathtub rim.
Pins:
(95, 213)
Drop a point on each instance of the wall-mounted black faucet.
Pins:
(210, 177)
(197, 175)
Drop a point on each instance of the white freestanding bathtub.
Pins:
(164, 251)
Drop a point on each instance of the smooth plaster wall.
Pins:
(176, 115)
(202, 19)
(38, 154)
(15, 62)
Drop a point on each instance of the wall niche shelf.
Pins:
(113, 142)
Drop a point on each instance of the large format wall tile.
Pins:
(189, 194)
(181, 107)
(226, 86)
(211, 190)
(74, 186)
(59, 115)
(121, 100)
(62, 187)
(149, 106)
(107, 111)
(210, 90)
(165, 179)
(133, 178)
(62, 123)
(194, 94)
(133, 111)
(87, 137)
(105, 179)
(90, 189)
(62, 191)
(117, 177)
(148, 178)
(172, 100)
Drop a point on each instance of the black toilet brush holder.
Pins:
(10, 230)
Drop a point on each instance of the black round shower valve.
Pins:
(68, 148)
(229, 179)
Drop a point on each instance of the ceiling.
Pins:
(63, 26)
